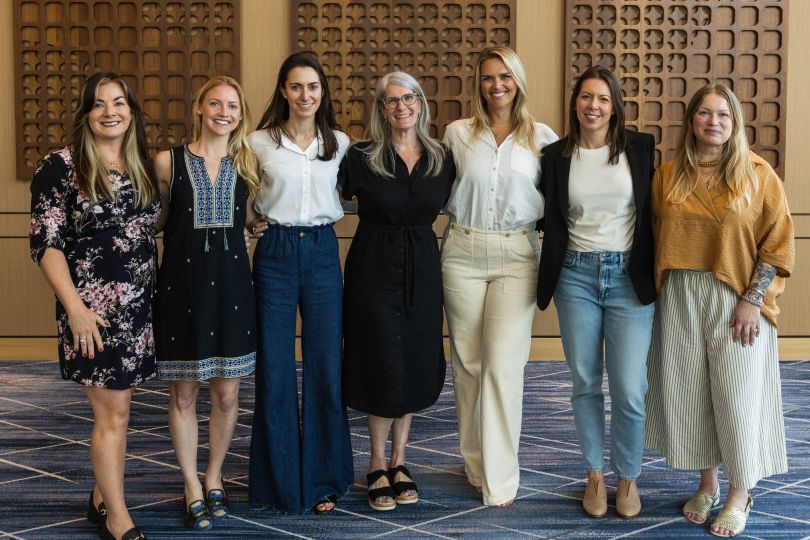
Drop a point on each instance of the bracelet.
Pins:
(753, 301)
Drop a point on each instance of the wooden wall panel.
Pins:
(664, 51)
(435, 41)
(164, 51)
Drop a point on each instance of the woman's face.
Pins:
(594, 106)
(497, 85)
(401, 107)
(303, 92)
(712, 123)
(110, 117)
(220, 110)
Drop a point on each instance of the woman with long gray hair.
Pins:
(394, 361)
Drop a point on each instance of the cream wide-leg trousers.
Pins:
(490, 289)
(710, 400)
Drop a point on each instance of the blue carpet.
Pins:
(45, 474)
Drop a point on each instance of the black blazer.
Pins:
(554, 187)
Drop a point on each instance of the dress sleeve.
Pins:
(348, 174)
(449, 174)
(49, 190)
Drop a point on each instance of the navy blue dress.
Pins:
(205, 314)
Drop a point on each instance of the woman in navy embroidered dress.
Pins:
(205, 326)
(93, 207)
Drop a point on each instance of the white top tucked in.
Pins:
(601, 209)
(496, 186)
(297, 187)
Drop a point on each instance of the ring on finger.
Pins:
(83, 341)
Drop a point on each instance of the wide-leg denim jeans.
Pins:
(298, 458)
(602, 323)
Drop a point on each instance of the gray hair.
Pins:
(380, 152)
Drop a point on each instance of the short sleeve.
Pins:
(49, 189)
(776, 244)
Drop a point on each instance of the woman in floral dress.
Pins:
(93, 209)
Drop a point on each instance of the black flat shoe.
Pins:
(218, 503)
(133, 534)
(96, 515)
(402, 487)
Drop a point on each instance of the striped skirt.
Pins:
(712, 401)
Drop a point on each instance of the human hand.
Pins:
(84, 324)
(257, 226)
(745, 322)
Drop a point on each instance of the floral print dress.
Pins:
(110, 251)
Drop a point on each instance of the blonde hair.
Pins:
(92, 174)
(735, 169)
(238, 149)
(522, 120)
(380, 153)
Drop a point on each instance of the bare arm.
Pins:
(83, 321)
(163, 168)
(746, 317)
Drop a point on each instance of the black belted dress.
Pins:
(392, 312)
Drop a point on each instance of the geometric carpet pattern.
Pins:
(45, 474)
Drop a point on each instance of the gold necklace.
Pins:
(709, 163)
(410, 157)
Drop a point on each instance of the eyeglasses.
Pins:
(392, 102)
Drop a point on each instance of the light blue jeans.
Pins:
(602, 323)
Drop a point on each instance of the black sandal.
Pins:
(379, 493)
(195, 516)
(403, 486)
(96, 514)
(218, 504)
(331, 499)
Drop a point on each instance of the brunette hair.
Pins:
(91, 171)
(279, 110)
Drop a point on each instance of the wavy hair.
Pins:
(238, 149)
(522, 120)
(278, 111)
(616, 134)
(92, 174)
(735, 168)
(380, 153)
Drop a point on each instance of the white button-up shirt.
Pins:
(496, 187)
(297, 187)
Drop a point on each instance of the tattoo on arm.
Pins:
(763, 275)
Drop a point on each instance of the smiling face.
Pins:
(111, 115)
(399, 115)
(303, 92)
(498, 87)
(220, 110)
(594, 107)
(712, 123)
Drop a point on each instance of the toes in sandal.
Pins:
(196, 516)
(701, 504)
(374, 495)
(324, 504)
(405, 491)
(732, 519)
(96, 514)
(218, 504)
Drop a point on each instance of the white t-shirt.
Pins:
(601, 209)
(297, 188)
(496, 187)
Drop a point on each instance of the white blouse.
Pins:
(297, 187)
(496, 187)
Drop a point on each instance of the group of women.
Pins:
(709, 234)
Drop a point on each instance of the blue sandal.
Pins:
(196, 516)
(218, 504)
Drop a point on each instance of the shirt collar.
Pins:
(312, 149)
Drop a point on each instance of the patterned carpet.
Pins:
(45, 474)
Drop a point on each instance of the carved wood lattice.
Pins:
(165, 50)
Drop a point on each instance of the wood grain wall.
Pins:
(28, 303)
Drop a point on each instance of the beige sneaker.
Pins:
(594, 501)
(628, 503)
